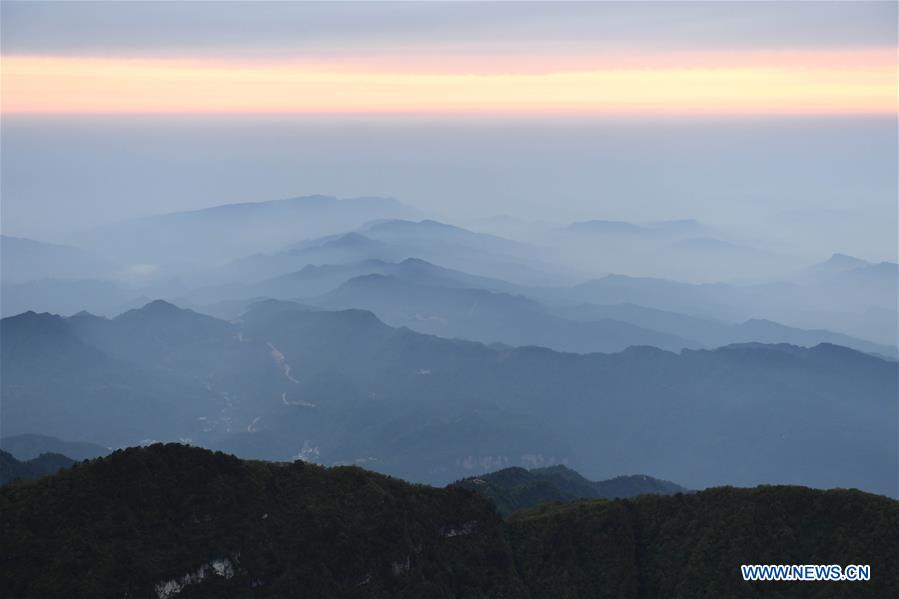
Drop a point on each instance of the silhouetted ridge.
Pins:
(28, 446)
(12, 469)
(513, 489)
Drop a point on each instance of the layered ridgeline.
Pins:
(30, 446)
(451, 303)
(513, 489)
(344, 388)
(442, 279)
(209, 235)
(166, 521)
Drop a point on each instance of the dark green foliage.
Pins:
(577, 550)
(692, 545)
(781, 525)
(143, 516)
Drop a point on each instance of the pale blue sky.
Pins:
(274, 28)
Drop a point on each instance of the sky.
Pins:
(721, 111)
(581, 58)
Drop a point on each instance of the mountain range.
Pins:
(486, 316)
(206, 257)
(807, 302)
(451, 303)
(343, 387)
(395, 240)
(359, 332)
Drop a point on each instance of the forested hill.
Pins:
(173, 520)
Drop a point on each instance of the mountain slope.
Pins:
(156, 521)
(159, 334)
(54, 382)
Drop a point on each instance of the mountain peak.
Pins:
(84, 316)
(842, 262)
(838, 257)
(159, 306)
(418, 264)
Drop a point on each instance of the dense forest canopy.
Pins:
(145, 521)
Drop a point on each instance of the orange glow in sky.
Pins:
(806, 83)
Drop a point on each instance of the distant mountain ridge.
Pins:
(486, 316)
(394, 240)
(871, 289)
(514, 489)
(213, 235)
(29, 446)
(12, 469)
(715, 333)
(840, 262)
(666, 328)
(686, 227)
